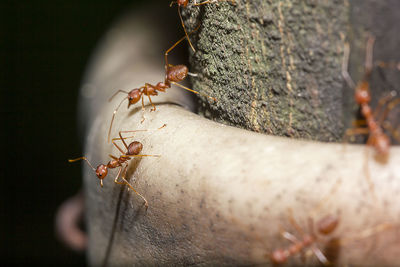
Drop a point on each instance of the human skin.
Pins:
(219, 195)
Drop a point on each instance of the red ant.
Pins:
(132, 150)
(325, 226)
(377, 138)
(173, 75)
(184, 3)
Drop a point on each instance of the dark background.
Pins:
(44, 48)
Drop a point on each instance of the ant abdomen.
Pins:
(381, 142)
(183, 3)
(327, 224)
(134, 148)
(177, 73)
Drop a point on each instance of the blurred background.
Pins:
(44, 48)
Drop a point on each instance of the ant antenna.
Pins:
(85, 159)
(369, 55)
(116, 93)
(345, 66)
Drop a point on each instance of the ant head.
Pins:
(177, 73)
(134, 96)
(327, 224)
(279, 256)
(134, 148)
(101, 172)
(362, 93)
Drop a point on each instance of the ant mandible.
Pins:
(325, 226)
(184, 3)
(132, 150)
(173, 75)
(377, 138)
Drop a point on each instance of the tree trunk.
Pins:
(275, 66)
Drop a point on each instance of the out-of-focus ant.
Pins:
(325, 226)
(377, 138)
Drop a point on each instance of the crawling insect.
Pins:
(121, 162)
(325, 226)
(377, 138)
(173, 75)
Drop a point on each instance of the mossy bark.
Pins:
(275, 66)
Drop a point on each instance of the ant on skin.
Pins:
(132, 150)
(184, 3)
(173, 75)
(377, 138)
(325, 226)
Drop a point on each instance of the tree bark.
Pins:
(275, 66)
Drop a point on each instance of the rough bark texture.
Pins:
(275, 66)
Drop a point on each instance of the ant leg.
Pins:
(392, 104)
(367, 173)
(117, 146)
(358, 123)
(144, 130)
(388, 65)
(143, 156)
(354, 131)
(193, 91)
(151, 102)
(205, 2)
(345, 65)
(321, 257)
(393, 132)
(184, 28)
(112, 119)
(369, 55)
(143, 110)
(294, 223)
(213, 1)
(134, 131)
(125, 182)
(173, 46)
(290, 237)
(112, 156)
(381, 103)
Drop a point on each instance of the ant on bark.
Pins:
(377, 138)
(132, 150)
(325, 226)
(184, 3)
(173, 75)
